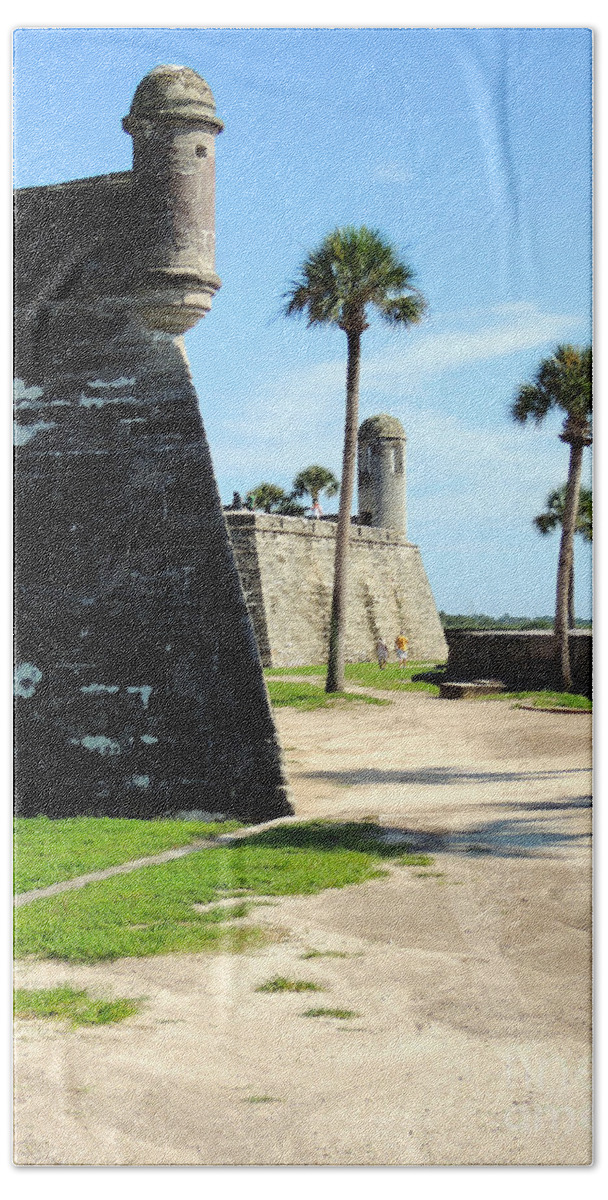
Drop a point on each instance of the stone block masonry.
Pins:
(139, 688)
(286, 569)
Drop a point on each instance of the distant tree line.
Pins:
(482, 621)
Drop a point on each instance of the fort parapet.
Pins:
(286, 569)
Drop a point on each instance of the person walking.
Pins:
(381, 653)
(401, 645)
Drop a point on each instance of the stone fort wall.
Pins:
(139, 690)
(521, 659)
(286, 569)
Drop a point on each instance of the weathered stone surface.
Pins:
(286, 568)
(144, 692)
(139, 688)
(381, 473)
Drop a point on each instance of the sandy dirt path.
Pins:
(472, 983)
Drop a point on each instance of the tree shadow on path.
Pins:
(511, 837)
(435, 776)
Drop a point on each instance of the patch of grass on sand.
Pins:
(280, 984)
(331, 954)
(48, 851)
(414, 677)
(415, 860)
(341, 1014)
(547, 699)
(307, 696)
(261, 1100)
(151, 910)
(66, 1004)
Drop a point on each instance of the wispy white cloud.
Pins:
(395, 173)
(301, 413)
(507, 330)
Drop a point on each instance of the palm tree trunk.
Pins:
(337, 624)
(571, 616)
(565, 565)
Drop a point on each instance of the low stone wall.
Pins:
(523, 661)
(286, 569)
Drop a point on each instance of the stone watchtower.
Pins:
(287, 568)
(139, 689)
(173, 124)
(381, 459)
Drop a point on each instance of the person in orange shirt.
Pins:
(401, 644)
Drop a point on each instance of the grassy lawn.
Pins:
(308, 696)
(549, 699)
(369, 674)
(66, 1004)
(151, 910)
(404, 679)
(47, 851)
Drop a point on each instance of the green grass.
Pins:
(549, 699)
(331, 954)
(401, 679)
(341, 1014)
(415, 860)
(66, 1004)
(48, 851)
(307, 696)
(280, 984)
(369, 674)
(150, 910)
(261, 1100)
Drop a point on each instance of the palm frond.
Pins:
(402, 310)
(563, 381)
(351, 269)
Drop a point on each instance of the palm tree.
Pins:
(267, 496)
(289, 507)
(314, 480)
(350, 271)
(563, 382)
(553, 516)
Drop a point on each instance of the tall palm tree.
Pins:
(314, 480)
(553, 516)
(563, 382)
(351, 271)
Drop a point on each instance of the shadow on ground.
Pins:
(513, 837)
(435, 776)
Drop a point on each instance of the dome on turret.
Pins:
(381, 426)
(169, 93)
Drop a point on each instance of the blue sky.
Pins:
(470, 150)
